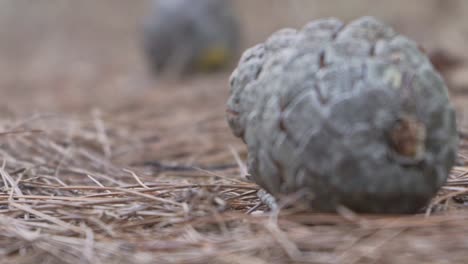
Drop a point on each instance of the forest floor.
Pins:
(99, 163)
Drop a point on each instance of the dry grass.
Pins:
(99, 164)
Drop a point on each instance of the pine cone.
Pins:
(353, 115)
(186, 36)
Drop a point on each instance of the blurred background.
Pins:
(73, 55)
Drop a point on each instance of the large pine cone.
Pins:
(354, 115)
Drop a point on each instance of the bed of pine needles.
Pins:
(161, 180)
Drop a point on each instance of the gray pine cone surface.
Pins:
(186, 36)
(352, 114)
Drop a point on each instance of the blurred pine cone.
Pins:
(186, 36)
(354, 115)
